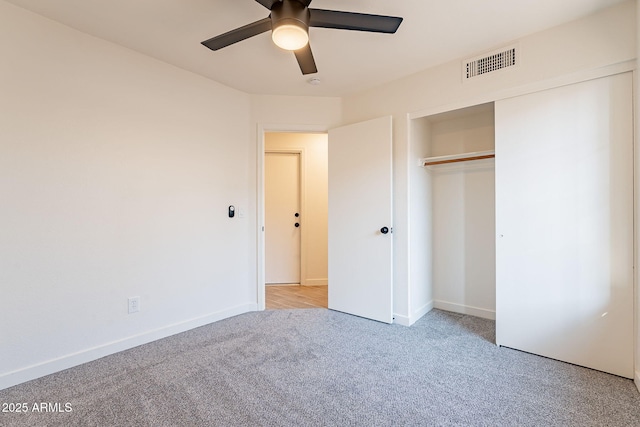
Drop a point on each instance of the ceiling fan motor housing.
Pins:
(290, 12)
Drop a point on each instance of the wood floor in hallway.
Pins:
(295, 296)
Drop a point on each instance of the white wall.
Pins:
(314, 202)
(463, 198)
(464, 238)
(116, 171)
(462, 131)
(301, 112)
(599, 40)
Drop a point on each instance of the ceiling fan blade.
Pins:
(354, 21)
(268, 3)
(239, 34)
(305, 60)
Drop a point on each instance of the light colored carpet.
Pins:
(322, 368)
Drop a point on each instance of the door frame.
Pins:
(302, 208)
(262, 129)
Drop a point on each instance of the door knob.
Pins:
(297, 224)
(384, 230)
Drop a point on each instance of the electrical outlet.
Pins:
(134, 304)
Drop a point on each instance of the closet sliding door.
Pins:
(564, 224)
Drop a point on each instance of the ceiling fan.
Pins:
(289, 23)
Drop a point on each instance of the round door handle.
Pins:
(384, 230)
(297, 224)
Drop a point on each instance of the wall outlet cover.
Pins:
(134, 304)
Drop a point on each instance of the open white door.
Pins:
(360, 221)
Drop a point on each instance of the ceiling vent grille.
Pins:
(490, 62)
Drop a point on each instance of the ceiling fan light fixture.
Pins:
(289, 23)
(289, 36)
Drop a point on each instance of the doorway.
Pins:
(295, 217)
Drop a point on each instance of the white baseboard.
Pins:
(414, 317)
(636, 380)
(465, 309)
(316, 282)
(422, 311)
(401, 320)
(10, 379)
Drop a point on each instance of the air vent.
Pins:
(490, 62)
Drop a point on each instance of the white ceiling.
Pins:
(433, 32)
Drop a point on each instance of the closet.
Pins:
(541, 235)
(459, 148)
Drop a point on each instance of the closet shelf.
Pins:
(453, 158)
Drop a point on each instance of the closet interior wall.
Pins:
(462, 256)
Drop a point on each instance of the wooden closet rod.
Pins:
(454, 158)
(466, 159)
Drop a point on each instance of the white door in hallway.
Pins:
(282, 226)
(564, 219)
(360, 220)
